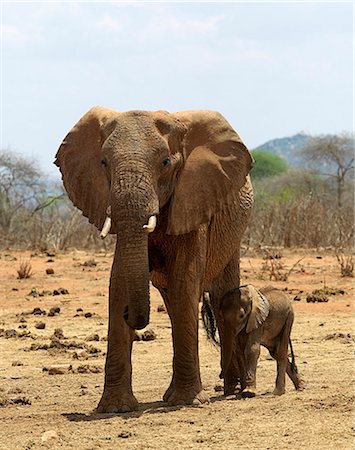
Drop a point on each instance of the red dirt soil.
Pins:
(38, 410)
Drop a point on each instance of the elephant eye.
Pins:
(104, 162)
(166, 161)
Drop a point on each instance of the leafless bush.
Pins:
(66, 229)
(36, 214)
(296, 209)
(24, 270)
(20, 184)
(346, 264)
(60, 228)
(299, 210)
(332, 156)
(274, 269)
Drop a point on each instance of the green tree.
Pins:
(267, 165)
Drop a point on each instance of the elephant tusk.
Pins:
(107, 224)
(106, 228)
(150, 227)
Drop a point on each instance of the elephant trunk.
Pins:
(131, 212)
(133, 257)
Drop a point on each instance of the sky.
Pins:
(273, 69)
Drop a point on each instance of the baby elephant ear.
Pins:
(259, 310)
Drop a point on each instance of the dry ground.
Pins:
(321, 417)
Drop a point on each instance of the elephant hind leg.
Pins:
(185, 387)
(280, 379)
(281, 355)
(292, 372)
(295, 377)
(282, 366)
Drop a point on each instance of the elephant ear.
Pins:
(79, 160)
(259, 310)
(216, 163)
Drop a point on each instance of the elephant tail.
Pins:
(293, 361)
(209, 320)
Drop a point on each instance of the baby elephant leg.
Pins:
(230, 381)
(292, 372)
(251, 353)
(281, 375)
(282, 366)
(281, 355)
(295, 377)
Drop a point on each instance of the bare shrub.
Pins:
(295, 209)
(333, 156)
(272, 267)
(346, 264)
(24, 270)
(20, 184)
(300, 210)
(38, 215)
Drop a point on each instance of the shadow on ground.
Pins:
(144, 408)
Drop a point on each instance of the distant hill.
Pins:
(287, 148)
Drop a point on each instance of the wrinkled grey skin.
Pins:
(252, 318)
(191, 170)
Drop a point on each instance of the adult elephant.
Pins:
(176, 191)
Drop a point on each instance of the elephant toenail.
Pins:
(112, 409)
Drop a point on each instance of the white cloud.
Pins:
(236, 53)
(182, 26)
(107, 23)
(166, 24)
(21, 36)
(12, 34)
(248, 50)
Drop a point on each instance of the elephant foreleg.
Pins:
(251, 356)
(240, 345)
(118, 395)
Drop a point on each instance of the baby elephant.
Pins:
(253, 318)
